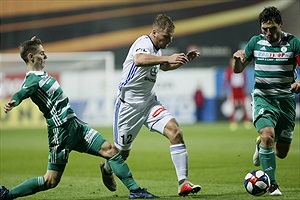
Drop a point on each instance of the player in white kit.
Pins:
(137, 104)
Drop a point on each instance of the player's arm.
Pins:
(239, 61)
(29, 87)
(191, 55)
(295, 87)
(144, 60)
(9, 106)
(15, 100)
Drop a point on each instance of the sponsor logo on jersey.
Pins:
(263, 48)
(271, 55)
(150, 79)
(141, 50)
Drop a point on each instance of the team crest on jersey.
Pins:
(153, 71)
(283, 49)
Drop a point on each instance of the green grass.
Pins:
(218, 161)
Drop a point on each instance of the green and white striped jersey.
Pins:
(47, 94)
(275, 65)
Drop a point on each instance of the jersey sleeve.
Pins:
(297, 50)
(29, 87)
(249, 50)
(142, 46)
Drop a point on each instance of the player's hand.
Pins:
(240, 54)
(295, 87)
(178, 58)
(9, 106)
(191, 55)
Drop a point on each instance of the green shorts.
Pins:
(277, 113)
(72, 135)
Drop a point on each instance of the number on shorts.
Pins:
(127, 140)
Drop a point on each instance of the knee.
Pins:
(176, 135)
(268, 140)
(267, 137)
(108, 150)
(51, 182)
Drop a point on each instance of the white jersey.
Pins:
(137, 82)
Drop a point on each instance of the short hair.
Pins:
(162, 22)
(29, 46)
(269, 14)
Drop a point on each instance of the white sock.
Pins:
(180, 159)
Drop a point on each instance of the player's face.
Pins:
(39, 58)
(163, 38)
(271, 30)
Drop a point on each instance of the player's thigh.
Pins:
(265, 113)
(61, 141)
(89, 140)
(128, 121)
(158, 118)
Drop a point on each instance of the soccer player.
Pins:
(65, 131)
(237, 95)
(276, 55)
(137, 104)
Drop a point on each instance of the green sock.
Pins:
(31, 186)
(122, 171)
(268, 162)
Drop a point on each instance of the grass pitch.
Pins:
(218, 161)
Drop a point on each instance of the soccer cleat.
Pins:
(274, 190)
(187, 187)
(141, 193)
(256, 161)
(108, 178)
(3, 193)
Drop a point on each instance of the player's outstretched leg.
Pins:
(187, 187)
(256, 161)
(108, 177)
(122, 171)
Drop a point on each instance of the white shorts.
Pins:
(129, 118)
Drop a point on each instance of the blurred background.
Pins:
(87, 42)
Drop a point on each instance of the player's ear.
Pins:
(154, 32)
(30, 57)
(281, 23)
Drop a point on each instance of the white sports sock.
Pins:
(180, 159)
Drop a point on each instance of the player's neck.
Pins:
(33, 68)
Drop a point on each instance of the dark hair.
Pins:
(269, 14)
(163, 22)
(29, 46)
